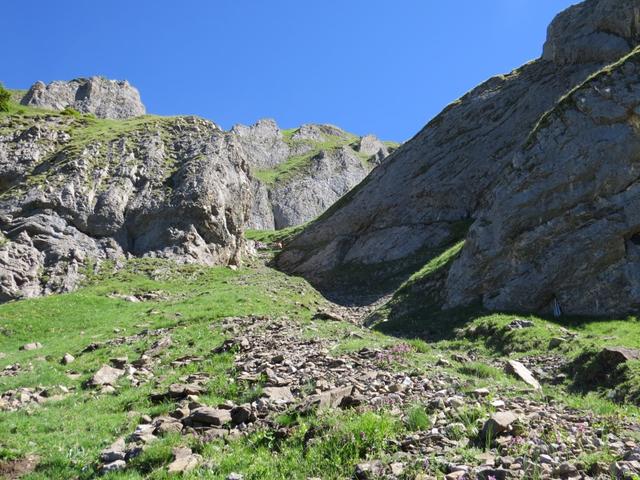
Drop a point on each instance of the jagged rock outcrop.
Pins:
(593, 31)
(468, 164)
(75, 192)
(371, 146)
(263, 143)
(302, 172)
(97, 95)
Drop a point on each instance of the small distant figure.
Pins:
(557, 310)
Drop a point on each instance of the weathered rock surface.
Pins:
(551, 194)
(73, 190)
(330, 174)
(106, 376)
(593, 31)
(523, 373)
(313, 166)
(263, 143)
(97, 95)
(371, 146)
(562, 226)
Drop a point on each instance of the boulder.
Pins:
(210, 416)
(330, 399)
(498, 424)
(184, 460)
(371, 146)
(519, 370)
(610, 357)
(278, 394)
(97, 95)
(106, 376)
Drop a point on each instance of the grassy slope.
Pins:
(69, 434)
(298, 164)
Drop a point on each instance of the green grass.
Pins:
(68, 434)
(480, 370)
(298, 164)
(271, 236)
(85, 130)
(417, 418)
(71, 432)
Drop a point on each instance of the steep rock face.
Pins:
(329, 176)
(75, 191)
(416, 201)
(564, 223)
(97, 95)
(299, 173)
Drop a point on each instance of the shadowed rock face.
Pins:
(564, 220)
(175, 188)
(97, 95)
(461, 166)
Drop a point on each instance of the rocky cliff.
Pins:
(535, 166)
(99, 96)
(76, 190)
(301, 172)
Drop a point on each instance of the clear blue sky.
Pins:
(380, 66)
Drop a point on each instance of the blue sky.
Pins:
(378, 66)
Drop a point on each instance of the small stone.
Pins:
(489, 473)
(518, 369)
(278, 394)
(114, 452)
(168, 427)
(546, 459)
(556, 342)
(241, 414)
(498, 423)
(210, 416)
(67, 359)
(330, 399)
(235, 476)
(566, 469)
(106, 376)
(114, 466)
(277, 358)
(31, 346)
(481, 392)
(397, 468)
(185, 460)
(369, 470)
